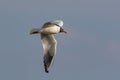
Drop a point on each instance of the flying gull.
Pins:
(48, 41)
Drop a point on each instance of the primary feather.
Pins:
(49, 45)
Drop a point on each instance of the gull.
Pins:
(48, 41)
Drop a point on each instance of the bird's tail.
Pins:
(35, 31)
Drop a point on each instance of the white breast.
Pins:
(50, 30)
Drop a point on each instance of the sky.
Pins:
(89, 51)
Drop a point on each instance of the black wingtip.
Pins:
(46, 71)
(45, 66)
(34, 31)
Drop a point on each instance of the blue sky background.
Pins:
(90, 50)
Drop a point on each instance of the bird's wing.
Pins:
(49, 45)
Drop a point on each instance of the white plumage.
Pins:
(48, 41)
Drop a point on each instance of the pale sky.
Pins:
(90, 50)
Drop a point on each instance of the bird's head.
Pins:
(59, 23)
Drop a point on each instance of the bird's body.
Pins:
(48, 41)
(50, 30)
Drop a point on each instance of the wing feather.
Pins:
(49, 46)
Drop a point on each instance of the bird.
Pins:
(48, 40)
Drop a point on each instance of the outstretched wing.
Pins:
(49, 45)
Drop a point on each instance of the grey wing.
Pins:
(49, 46)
